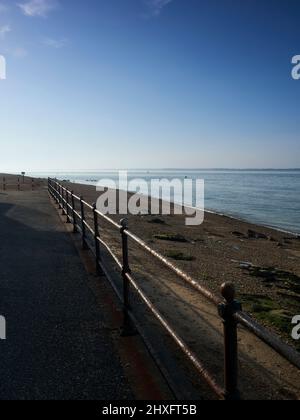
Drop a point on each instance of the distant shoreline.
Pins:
(211, 211)
(239, 216)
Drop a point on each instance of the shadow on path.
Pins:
(56, 347)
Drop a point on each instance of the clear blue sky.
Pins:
(149, 83)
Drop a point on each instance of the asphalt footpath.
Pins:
(57, 346)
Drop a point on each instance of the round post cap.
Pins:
(228, 292)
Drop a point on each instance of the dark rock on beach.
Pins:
(252, 234)
(238, 234)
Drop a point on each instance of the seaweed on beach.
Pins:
(271, 275)
(179, 256)
(171, 237)
(272, 314)
(157, 221)
(276, 312)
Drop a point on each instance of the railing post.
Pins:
(128, 328)
(62, 201)
(68, 208)
(54, 190)
(97, 243)
(83, 228)
(227, 311)
(18, 184)
(32, 184)
(59, 195)
(4, 185)
(73, 212)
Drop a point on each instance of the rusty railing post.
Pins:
(128, 328)
(83, 228)
(18, 184)
(97, 243)
(73, 212)
(227, 311)
(32, 184)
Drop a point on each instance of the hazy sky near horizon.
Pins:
(149, 83)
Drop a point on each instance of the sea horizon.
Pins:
(159, 169)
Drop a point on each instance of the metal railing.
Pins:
(18, 184)
(229, 310)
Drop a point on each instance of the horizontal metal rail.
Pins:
(87, 205)
(188, 279)
(89, 227)
(111, 253)
(20, 182)
(178, 340)
(109, 220)
(269, 338)
(229, 310)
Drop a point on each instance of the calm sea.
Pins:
(270, 198)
